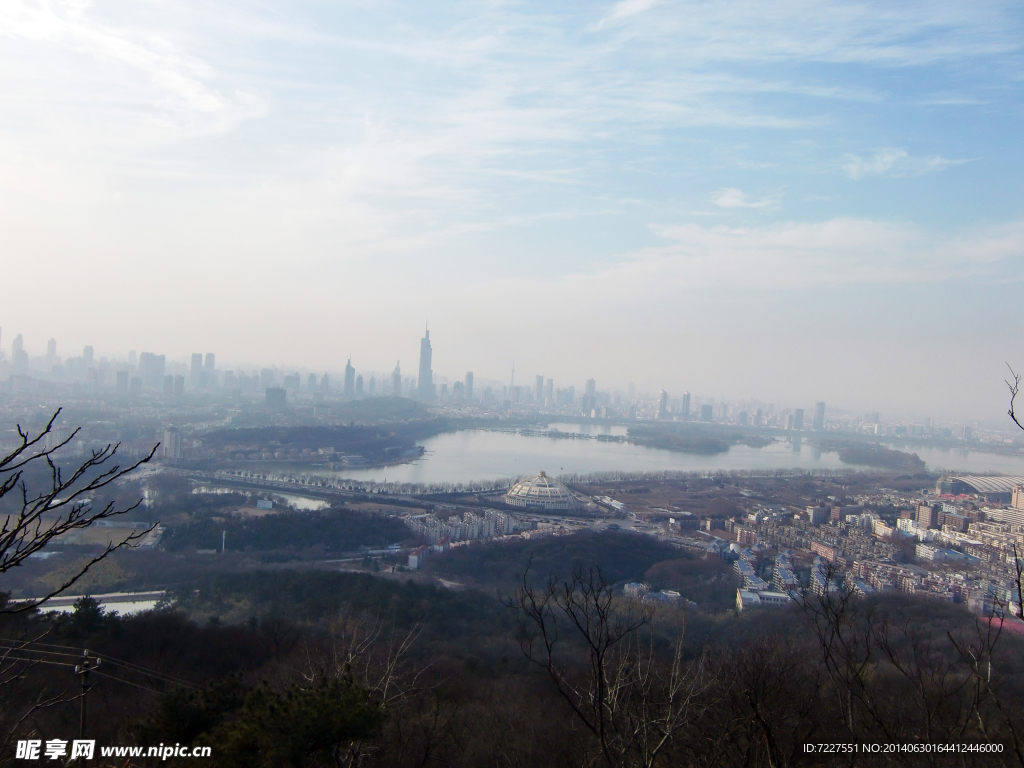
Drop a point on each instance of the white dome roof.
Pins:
(541, 492)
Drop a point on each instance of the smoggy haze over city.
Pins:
(796, 202)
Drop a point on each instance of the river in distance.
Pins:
(482, 455)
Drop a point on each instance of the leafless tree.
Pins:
(61, 504)
(996, 714)
(376, 657)
(1014, 385)
(599, 652)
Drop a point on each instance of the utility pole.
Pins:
(88, 665)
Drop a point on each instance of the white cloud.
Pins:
(794, 255)
(624, 9)
(731, 197)
(896, 163)
(136, 84)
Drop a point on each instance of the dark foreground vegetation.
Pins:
(326, 669)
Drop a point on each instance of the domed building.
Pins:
(541, 493)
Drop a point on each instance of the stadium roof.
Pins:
(540, 492)
(990, 483)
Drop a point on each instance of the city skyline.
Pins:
(158, 371)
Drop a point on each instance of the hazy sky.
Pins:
(786, 200)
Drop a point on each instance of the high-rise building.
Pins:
(539, 389)
(195, 373)
(426, 380)
(662, 412)
(372, 386)
(210, 370)
(171, 444)
(168, 386)
(819, 417)
(705, 412)
(51, 351)
(359, 385)
(325, 383)
(276, 399)
(151, 369)
(18, 345)
(396, 381)
(350, 379)
(798, 419)
(87, 355)
(590, 398)
(686, 406)
(179, 387)
(311, 382)
(549, 392)
(469, 386)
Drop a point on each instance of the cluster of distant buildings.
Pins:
(151, 375)
(490, 523)
(965, 547)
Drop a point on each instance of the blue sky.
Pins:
(792, 201)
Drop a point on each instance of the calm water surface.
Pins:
(461, 457)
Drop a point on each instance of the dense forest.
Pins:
(684, 438)
(332, 531)
(875, 456)
(327, 669)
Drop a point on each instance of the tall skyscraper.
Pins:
(373, 386)
(396, 381)
(311, 382)
(539, 390)
(819, 417)
(210, 365)
(51, 351)
(469, 386)
(359, 385)
(426, 380)
(590, 398)
(87, 355)
(662, 405)
(171, 444)
(276, 399)
(151, 369)
(686, 406)
(549, 393)
(196, 369)
(350, 379)
(798, 419)
(19, 355)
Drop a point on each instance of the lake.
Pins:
(482, 455)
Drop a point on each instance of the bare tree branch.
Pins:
(1014, 387)
(62, 505)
